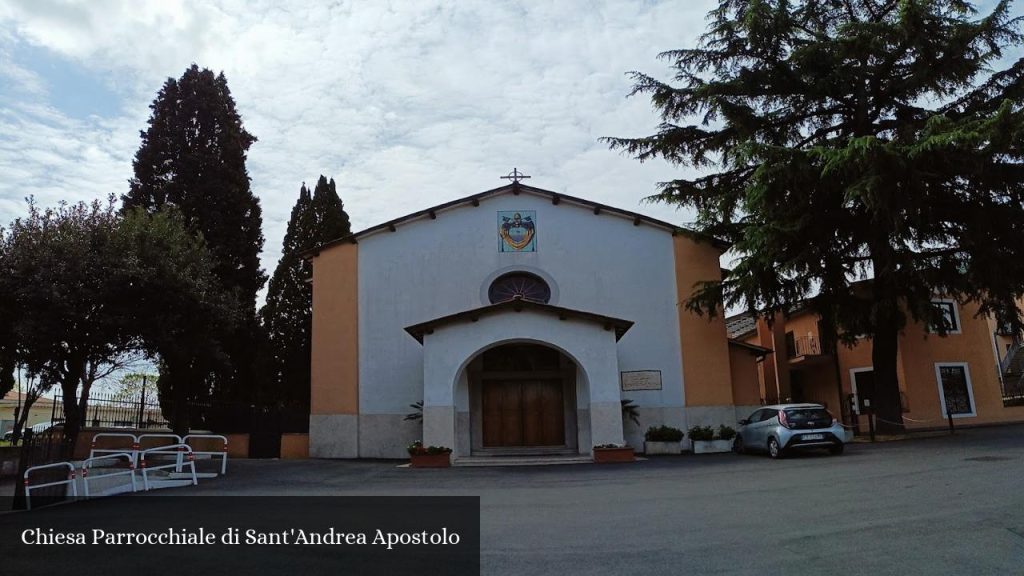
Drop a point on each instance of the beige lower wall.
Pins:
(334, 436)
(713, 416)
(389, 435)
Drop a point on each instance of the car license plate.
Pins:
(813, 436)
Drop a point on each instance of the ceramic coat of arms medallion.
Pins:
(517, 231)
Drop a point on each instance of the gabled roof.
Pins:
(740, 325)
(745, 323)
(518, 188)
(518, 305)
(13, 397)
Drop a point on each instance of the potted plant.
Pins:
(663, 440)
(422, 456)
(608, 453)
(705, 440)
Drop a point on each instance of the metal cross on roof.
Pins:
(515, 176)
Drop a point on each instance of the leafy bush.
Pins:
(663, 434)
(610, 446)
(417, 448)
(724, 432)
(698, 433)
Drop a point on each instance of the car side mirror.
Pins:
(743, 422)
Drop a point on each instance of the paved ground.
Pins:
(949, 505)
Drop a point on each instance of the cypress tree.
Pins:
(193, 157)
(330, 221)
(850, 140)
(287, 314)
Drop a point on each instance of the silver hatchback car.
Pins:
(780, 428)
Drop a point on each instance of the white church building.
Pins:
(521, 318)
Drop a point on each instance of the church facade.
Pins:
(521, 319)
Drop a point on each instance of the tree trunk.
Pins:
(22, 417)
(888, 321)
(83, 402)
(72, 415)
(180, 376)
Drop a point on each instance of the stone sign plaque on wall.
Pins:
(641, 380)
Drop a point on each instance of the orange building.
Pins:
(973, 374)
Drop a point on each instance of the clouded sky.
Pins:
(406, 104)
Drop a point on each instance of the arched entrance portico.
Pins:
(455, 366)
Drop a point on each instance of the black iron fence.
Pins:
(117, 411)
(141, 412)
(40, 448)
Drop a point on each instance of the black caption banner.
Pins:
(181, 535)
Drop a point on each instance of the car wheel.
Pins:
(836, 450)
(774, 450)
(737, 445)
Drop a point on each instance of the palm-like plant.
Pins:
(629, 411)
(418, 414)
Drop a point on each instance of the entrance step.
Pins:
(520, 460)
(525, 451)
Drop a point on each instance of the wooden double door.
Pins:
(523, 412)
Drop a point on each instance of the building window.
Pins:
(948, 319)
(956, 395)
(522, 284)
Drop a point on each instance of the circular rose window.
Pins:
(526, 286)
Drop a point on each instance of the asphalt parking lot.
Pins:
(944, 505)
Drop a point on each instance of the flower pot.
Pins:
(610, 455)
(652, 447)
(711, 446)
(442, 460)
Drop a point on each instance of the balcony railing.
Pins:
(804, 346)
(1006, 363)
(1013, 391)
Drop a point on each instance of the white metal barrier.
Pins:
(177, 449)
(70, 480)
(143, 437)
(132, 449)
(174, 440)
(87, 464)
(223, 453)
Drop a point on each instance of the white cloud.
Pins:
(406, 104)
